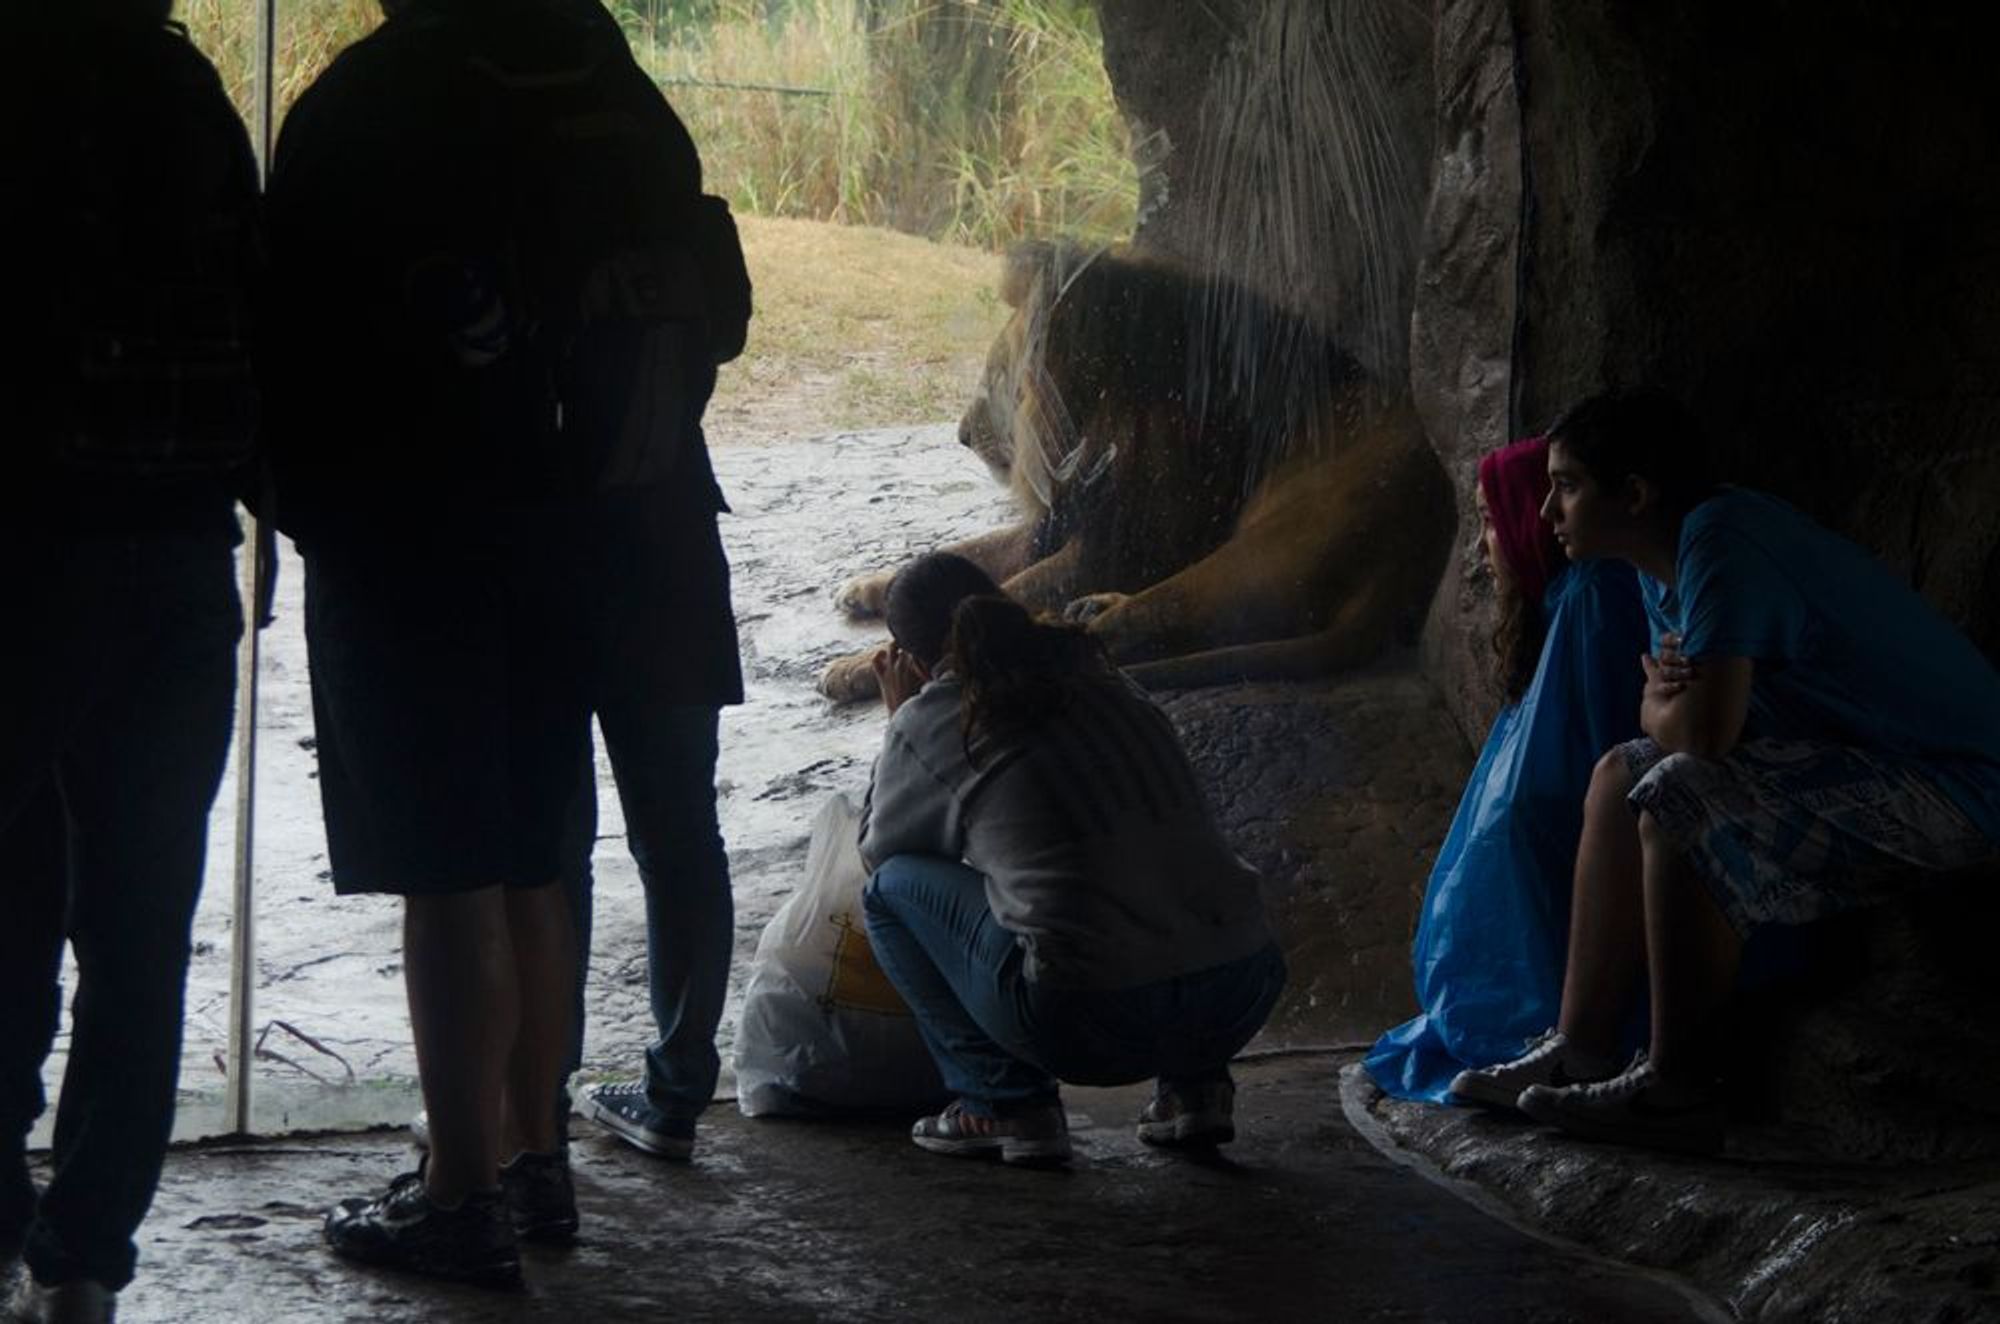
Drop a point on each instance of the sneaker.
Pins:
(402, 1229)
(541, 1197)
(623, 1109)
(1550, 1060)
(1038, 1135)
(1189, 1116)
(79, 1301)
(1634, 1108)
(420, 1131)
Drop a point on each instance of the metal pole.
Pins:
(243, 930)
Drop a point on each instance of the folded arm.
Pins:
(1695, 708)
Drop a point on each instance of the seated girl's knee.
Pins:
(891, 876)
(1610, 780)
(871, 891)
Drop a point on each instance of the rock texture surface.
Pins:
(1773, 1234)
(1462, 324)
(1338, 792)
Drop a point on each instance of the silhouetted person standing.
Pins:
(129, 228)
(499, 301)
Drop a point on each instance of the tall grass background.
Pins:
(977, 122)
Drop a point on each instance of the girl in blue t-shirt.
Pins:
(1490, 944)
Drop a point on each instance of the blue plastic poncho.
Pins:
(1494, 932)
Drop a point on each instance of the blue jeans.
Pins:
(1003, 1042)
(116, 693)
(663, 758)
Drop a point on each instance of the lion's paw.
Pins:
(850, 679)
(863, 597)
(1092, 605)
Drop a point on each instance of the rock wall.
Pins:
(1463, 324)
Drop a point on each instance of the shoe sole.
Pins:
(1485, 1094)
(1024, 1154)
(553, 1232)
(652, 1142)
(500, 1275)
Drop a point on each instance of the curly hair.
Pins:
(1518, 634)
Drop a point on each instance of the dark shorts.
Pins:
(1790, 831)
(451, 732)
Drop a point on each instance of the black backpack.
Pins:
(150, 220)
(620, 288)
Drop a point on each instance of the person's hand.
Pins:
(1668, 671)
(899, 675)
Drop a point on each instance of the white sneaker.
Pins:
(1550, 1060)
(79, 1301)
(1036, 1137)
(1634, 1108)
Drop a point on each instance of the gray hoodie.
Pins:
(1096, 844)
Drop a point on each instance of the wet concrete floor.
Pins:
(790, 1220)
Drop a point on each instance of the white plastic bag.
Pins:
(823, 1029)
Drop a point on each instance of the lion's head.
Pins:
(1137, 403)
(1020, 421)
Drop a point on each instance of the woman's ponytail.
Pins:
(1018, 671)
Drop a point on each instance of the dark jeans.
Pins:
(649, 589)
(1003, 1042)
(663, 758)
(117, 687)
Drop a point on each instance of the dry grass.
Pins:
(856, 327)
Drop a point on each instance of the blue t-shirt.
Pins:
(1844, 650)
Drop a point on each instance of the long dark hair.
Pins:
(1018, 669)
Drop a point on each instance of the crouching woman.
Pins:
(1050, 893)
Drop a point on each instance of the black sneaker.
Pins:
(622, 1108)
(402, 1229)
(541, 1197)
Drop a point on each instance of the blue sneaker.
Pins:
(623, 1109)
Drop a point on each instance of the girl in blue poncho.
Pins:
(1490, 944)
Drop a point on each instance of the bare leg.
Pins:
(544, 941)
(1607, 938)
(458, 965)
(1692, 955)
